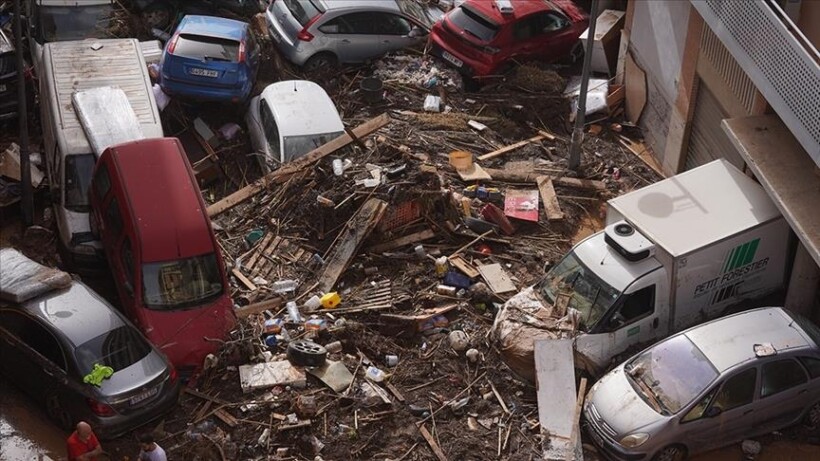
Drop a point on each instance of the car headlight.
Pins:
(634, 440)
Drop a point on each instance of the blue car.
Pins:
(210, 59)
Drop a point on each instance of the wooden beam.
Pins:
(299, 164)
(242, 279)
(258, 308)
(576, 430)
(433, 444)
(549, 199)
(542, 135)
(402, 241)
(347, 244)
(532, 178)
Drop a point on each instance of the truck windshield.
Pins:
(296, 146)
(182, 283)
(119, 349)
(586, 292)
(671, 374)
(78, 171)
(62, 23)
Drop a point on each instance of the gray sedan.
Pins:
(713, 385)
(322, 33)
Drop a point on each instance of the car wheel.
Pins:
(671, 453)
(306, 353)
(157, 15)
(812, 419)
(58, 413)
(320, 61)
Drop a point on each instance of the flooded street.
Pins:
(25, 432)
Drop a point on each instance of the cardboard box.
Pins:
(606, 41)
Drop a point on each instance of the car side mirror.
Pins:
(617, 320)
(711, 412)
(416, 32)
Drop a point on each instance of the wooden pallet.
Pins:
(273, 251)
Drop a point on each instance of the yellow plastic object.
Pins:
(98, 374)
(330, 300)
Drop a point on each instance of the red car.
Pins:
(163, 255)
(482, 38)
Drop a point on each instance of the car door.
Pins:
(784, 393)
(542, 36)
(394, 32)
(353, 37)
(724, 415)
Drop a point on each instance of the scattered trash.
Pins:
(306, 353)
(459, 340)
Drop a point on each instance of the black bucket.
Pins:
(372, 89)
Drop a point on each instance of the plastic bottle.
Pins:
(284, 286)
(338, 167)
(293, 312)
(313, 303)
(374, 374)
(441, 266)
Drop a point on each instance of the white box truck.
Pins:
(69, 67)
(673, 254)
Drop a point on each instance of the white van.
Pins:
(74, 66)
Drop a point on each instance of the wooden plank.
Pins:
(512, 147)
(244, 280)
(432, 442)
(402, 241)
(473, 173)
(461, 264)
(259, 249)
(580, 183)
(555, 390)
(205, 396)
(258, 308)
(299, 164)
(532, 177)
(635, 89)
(639, 149)
(549, 199)
(576, 430)
(226, 417)
(347, 244)
(395, 391)
(497, 278)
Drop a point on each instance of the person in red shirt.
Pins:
(82, 444)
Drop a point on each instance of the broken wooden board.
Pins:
(474, 173)
(542, 135)
(433, 444)
(555, 384)
(496, 278)
(243, 280)
(635, 82)
(10, 166)
(258, 308)
(299, 164)
(375, 298)
(348, 242)
(334, 375)
(269, 374)
(521, 204)
(461, 264)
(409, 325)
(402, 241)
(549, 199)
(532, 177)
(640, 150)
(272, 251)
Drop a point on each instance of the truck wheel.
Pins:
(306, 353)
(671, 453)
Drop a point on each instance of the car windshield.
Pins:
(182, 283)
(416, 11)
(671, 374)
(62, 23)
(297, 146)
(585, 291)
(473, 23)
(78, 171)
(302, 10)
(206, 48)
(119, 349)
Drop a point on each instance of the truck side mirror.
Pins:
(617, 320)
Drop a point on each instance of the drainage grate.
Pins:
(781, 68)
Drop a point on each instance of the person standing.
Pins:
(82, 444)
(149, 450)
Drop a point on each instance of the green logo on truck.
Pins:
(739, 263)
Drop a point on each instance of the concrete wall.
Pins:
(657, 38)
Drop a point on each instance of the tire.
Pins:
(306, 353)
(812, 418)
(57, 412)
(320, 61)
(671, 453)
(157, 15)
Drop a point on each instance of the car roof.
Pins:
(730, 341)
(328, 5)
(164, 199)
(301, 107)
(521, 8)
(212, 26)
(76, 312)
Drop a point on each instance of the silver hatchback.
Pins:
(713, 385)
(322, 33)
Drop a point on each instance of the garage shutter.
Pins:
(707, 140)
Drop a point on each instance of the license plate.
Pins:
(454, 60)
(143, 395)
(204, 72)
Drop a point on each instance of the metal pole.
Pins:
(27, 198)
(578, 131)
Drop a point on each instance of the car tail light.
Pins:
(303, 34)
(173, 43)
(241, 57)
(172, 374)
(100, 409)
